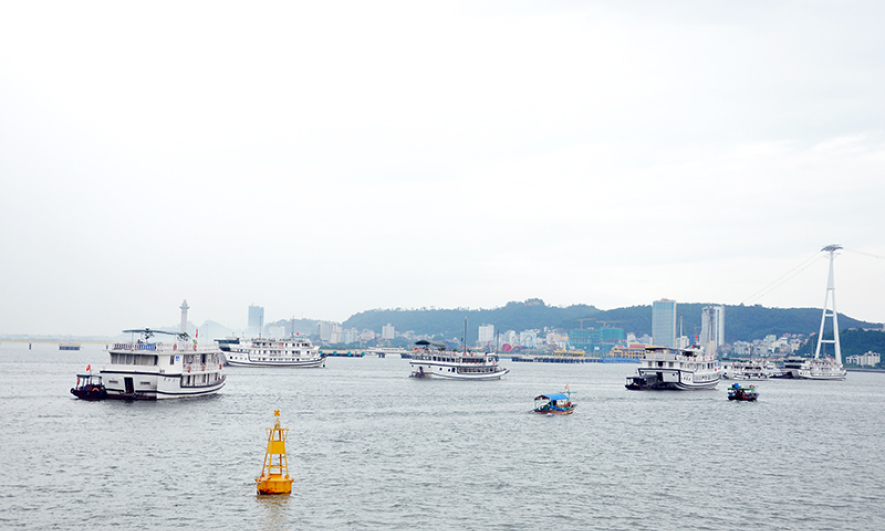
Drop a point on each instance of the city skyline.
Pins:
(323, 159)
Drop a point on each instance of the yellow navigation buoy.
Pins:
(275, 472)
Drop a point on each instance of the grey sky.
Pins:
(323, 158)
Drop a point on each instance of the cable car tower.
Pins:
(831, 290)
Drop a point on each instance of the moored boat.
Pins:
(293, 352)
(754, 369)
(799, 368)
(742, 394)
(432, 359)
(664, 368)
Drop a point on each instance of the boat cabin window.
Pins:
(171, 360)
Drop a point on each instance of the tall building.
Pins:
(712, 328)
(184, 307)
(663, 323)
(256, 320)
(388, 331)
(486, 334)
(324, 330)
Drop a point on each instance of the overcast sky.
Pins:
(324, 158)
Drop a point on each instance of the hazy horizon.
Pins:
(319, 159)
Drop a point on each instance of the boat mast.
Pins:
(464, 340)
(831, 290)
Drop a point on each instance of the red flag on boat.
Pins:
(89, 367)
(198, 332)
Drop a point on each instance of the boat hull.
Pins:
(654, 382)
(567, 411)
(444, 375)
(90, 393)
(302, 364)
(123, 385)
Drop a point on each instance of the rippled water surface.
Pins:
(370, 448)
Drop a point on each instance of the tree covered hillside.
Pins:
(449, 323)
(743, 323)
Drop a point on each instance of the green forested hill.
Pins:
(853, 343)
(743, 323)
(449, 323)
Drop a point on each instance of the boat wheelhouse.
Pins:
(89, 386)
(143, 369)
(664, 368)
(289, 352)
(432, 359)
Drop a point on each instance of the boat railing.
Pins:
(139, 346)
(665, 356)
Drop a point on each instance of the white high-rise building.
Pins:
(324, 330)
(388, 331)
(486, 335)
(183, 327)
(256, 320)
(712, 328)
(663, 323)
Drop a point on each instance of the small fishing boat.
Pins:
(89, 386)
(554, 404)
(743, 394)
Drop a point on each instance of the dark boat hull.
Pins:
(91, 393)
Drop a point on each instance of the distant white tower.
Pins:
(831, 290)
(184, 308)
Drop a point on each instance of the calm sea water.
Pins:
(370, 448)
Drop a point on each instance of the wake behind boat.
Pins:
(432, 359)
(291, 352)
(675, 369)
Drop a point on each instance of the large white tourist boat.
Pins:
(800, 368)
(676, 369)
(150, 370)
(431, 359)
(754, 369)
(290, 352)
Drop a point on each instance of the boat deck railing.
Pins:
(664, 356)
(164, 347)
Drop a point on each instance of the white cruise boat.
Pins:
(812, 369)
(676, 369)
(290, 352)
(149, 370)
(431, 359)
(749, 370)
